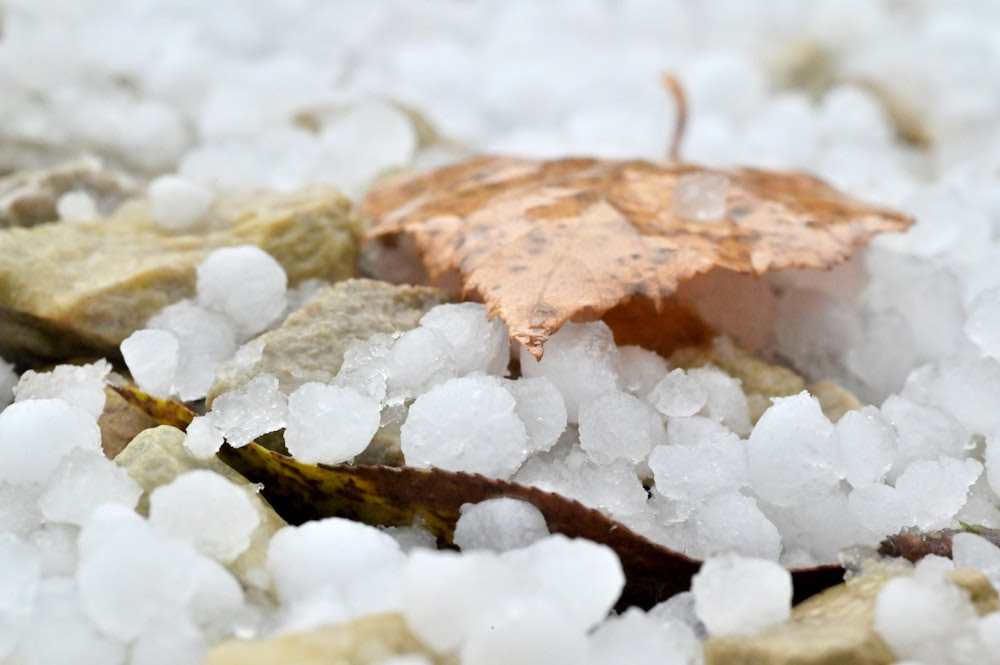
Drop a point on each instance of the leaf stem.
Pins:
(673, 86)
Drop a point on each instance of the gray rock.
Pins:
(73, 289)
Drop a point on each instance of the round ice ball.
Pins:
(209, 511)
(499, 524)
(329, 424)
(177, 203)
(152, 357)
(246, 284)
(36, 434)
(735, 595)
(76, 206)
(465, 424)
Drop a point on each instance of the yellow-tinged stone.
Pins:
(366, 641)
(80, 288)
(763, 381)
(836, 626)
(156, 456)
(834, 399)
(28, 198)
(310, 344)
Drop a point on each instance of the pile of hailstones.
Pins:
(86, 579)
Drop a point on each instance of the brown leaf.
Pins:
(120, 422)
(396, 496)
(542, 243)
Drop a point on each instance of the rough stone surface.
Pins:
(71, 289)
(310, 344)
(156, 456)
(834, 399)
(28, 198)
(836, 626)
(762, 380)
(366, 641)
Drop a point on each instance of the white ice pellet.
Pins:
(619, 425)
(678, 395)
(969, 550)
(919, 615)
(696, 431)
(542, 410)
(202, 437)
(477, 344)
(922, 432)
(76, 206)
(152, 357)
(963, 389)
(689, 474)
(212, 513)
(178, 203)
(246, 284)
(934, 490)
(20, 574)
(614, 489)
(791, 452)
(726, 402)
(700, 196)
(581, 359)
(129, 572)
(446, 595)
(499, 524)
(205, 338)
(84, 480)
(635, 637)
(338, 557)
(369, 138)
(465, 424)
(329, 424)
(256, 408)
(983, 324)
(536, 634)
(79, 385)
(19, 512)
(365, 366)
(733, 522)
(420, 359)
(879, 508)
(36, 434)
(640, 369)
(867, 445)
(735, 595)
(61, 632)
(170, 638)
(558, 564)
